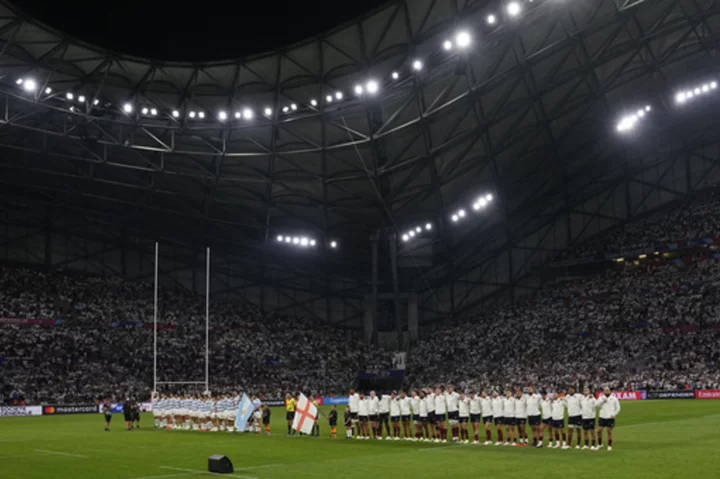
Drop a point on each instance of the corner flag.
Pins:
(245, 410)
(305, 414)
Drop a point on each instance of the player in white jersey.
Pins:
(255, 426)
(452, 399)
(464, 417)
(363, 418)
(430, 399)
(487, 416)
(424, 424)
(498, 411)
(155, 400)
(532, 405)
(558, 421)
(572, 399)
(395, 415)
(475, 413)
(588, 408)
(384, 415)
(405, 414)
(354, 406)
(440, 412)
(609, 408)
(521, 417)
(509, 419)
(546, 411)
(373, 408)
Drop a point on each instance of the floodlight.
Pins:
(339, 95)
(329, 98)
(128, 108)
(313, 102)
(296, 240)
(405, 237)
(192, 114)
(455, 218)
(689, 94)
(293, 107)
(81, 98)
(489, 197)
(304, 241)
(29, 85)
(222, 115)
(19, 81)
(313, 242)
(201, 115)
(96, 102)
(395, 75)
(333, 244)
(697, 91)
(417, 65)
(641, 113)
(463, 39)
(647, 108)
(144, 111)
(447, 45)
(69, 95)
(706, 88)
(461, 213)
(713, 85)
(175, 113)
(491, 19)
(238, 115)
(359, 90)
(372, 87)
(72, 108)
(248, 114)
(288, 239)
(268, 111)
(514, 9)
(280, 238)
(411, 233)
(286, 109)
(418, 229)
(48, 90)
(428, 226)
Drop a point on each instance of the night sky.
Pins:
(193, 30)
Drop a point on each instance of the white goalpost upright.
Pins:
(206, 382)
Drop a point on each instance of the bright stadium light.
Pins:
(713, 85)
(372, 87)
(697, 91)
(304, 241)
(447, 45)
(428, 226)
(489, 197)
(461, 213)
(48, 90)
(286, 109)
(192, 114)
(359, 90)
(296, 240)
(405, 238)
(339, 95)
(417, 65)
(313, 242)
(455, 218)
(268, 111)
(293, 106)
(333, 244)
(96, 102)
(175, 113)
(201, 115)
(313, 102)
(463, 39)
(329, 98)
(411, 233)
(491, 19)
(128, 108)
(647, 108)
(248, 114)
(144, 111)
(19, 81)
(418, 230)
(29, 85)
(280, 239)
(705, 88)
(222, 115)
(514, 9)
(69, 95)
(395, 75)
(288, 239)
(81, 98)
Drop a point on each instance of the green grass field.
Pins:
(654, 439)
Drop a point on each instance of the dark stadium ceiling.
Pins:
(527, 113)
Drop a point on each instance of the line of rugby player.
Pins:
(197, 412)
(432, 410)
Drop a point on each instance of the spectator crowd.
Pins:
(646, 324)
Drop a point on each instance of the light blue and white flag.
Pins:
(245, 410)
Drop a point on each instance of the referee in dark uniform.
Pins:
(128, 413)
(107, 411)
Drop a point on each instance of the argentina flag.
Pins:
(244, 412)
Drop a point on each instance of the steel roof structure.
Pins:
(527, 113)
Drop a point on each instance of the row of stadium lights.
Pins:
(461, 41)
(303, 241)
(480, 204)
(629, 121)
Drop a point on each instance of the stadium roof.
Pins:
(527, 112)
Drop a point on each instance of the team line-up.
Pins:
(425, 416)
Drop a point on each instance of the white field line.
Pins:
(167, 475)
(60, 453)
(198, 471)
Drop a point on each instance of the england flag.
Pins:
(305, 415)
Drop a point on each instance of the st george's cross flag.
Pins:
(305, 414)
